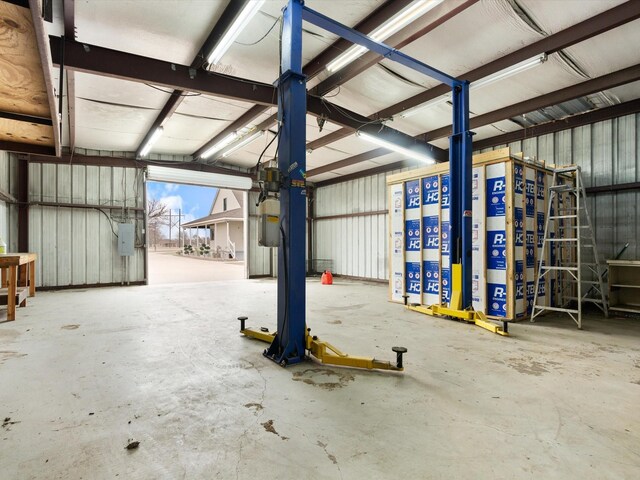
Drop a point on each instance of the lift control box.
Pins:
(269, 223)
(126, 239)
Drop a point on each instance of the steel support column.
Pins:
(460, 180)
(288, 345)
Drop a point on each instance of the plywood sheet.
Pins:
(22, 85)
(25, 132)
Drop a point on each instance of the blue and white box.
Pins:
(413, 278)
(412, 235)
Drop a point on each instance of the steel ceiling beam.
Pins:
(315, 66)
(574, 121)
(126, 66)
(594, 116)
(94, 160)
(598, 84)
(70, 32)
(177, 96)
(399, 40)
(605, 82)
(577, 33)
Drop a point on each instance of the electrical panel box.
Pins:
(510, 200)
(269, 223)
(126, 239)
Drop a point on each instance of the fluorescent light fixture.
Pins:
(431, 103)
(153, 139)
(244, 141)
(384, 31)
(509, 71)
(220, 145)
(395, 148)
(241, 21)
(489, 79)
(191, 177)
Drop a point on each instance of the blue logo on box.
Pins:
(413, 277)
(529, 200)
(540, 224)
(540, 185)
(431, 282)
(517, 179)
(497, 296)
(446, 238)
(496, 188)
(530, 257)
(446, 284)
(541, 289)
(412, 194)
(446, 189)
(497, 252)
(519, 227)
(431, 234)
(530, 290)
(430, 190)
(519, 278)
(412, 229)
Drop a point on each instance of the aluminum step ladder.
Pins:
(570, 245)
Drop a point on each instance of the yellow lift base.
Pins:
(455, 307)
(328, 354)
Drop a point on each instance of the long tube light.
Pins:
(191, 177)
(395, 148)
(245, 141)
(220, 145)
(483, 82)
(509, 71)
(384, 31)
(241, 21)
(153, 139)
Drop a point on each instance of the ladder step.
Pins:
(566, 168)
(590, 300)
(560, 239)
(555, 309)
(573, 269)
(560, 217)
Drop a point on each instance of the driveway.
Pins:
(167, 267)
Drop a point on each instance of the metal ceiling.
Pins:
(471, 39)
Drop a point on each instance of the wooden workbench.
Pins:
(10, 263)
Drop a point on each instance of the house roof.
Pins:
(235, 214)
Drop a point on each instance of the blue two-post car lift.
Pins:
(292, 340)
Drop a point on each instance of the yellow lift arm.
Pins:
(455, 309)
(328, 354)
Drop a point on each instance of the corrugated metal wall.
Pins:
(9, 212)
(350, 227)
(76, 245)
(609, 153)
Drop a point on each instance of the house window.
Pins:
(224, 204)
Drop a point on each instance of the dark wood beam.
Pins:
(18, 147)
(620, 187)
(599, 115)
(177, 96)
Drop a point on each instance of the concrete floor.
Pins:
(83, 372)
(167, 267)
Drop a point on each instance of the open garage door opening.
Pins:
(196, 227)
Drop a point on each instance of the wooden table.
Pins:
(11, 262)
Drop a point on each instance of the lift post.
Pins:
(292, 339)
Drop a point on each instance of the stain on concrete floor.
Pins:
(323, 378)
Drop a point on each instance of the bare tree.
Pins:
(156, 213)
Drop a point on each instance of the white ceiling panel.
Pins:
(558, 15)
(171, 30)
(118, 91)
(102, 126)
(610, 51)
